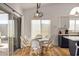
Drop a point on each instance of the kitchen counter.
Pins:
(69, 34)
(73, 38)
(72, 41)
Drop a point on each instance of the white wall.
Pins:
(51, 12)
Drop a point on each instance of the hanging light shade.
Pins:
(38, 13)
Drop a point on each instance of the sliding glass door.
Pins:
(14, 33)
(4, 43)
(17, 28)
(10, 31)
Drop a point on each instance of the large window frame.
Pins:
(74, 25)
(43, 29)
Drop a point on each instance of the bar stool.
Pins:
(77, 47)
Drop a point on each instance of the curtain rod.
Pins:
(12, 9)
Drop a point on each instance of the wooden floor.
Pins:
(55, 51)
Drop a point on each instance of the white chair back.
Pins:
(35, 45)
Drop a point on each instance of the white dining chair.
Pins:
(47, 42)
(35, 46)
(77, 47)
(47, 45)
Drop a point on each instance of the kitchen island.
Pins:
(64, 42)
(72, 41)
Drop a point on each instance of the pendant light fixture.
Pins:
(38, 13)
(76, 13)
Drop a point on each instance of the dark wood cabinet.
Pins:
(63, 42)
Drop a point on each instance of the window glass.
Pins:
(3, 18)
(35, 28)
(74, 25)
(40, 28)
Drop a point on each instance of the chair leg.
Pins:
(76, 52)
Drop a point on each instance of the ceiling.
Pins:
(20, 7)
(25, 6)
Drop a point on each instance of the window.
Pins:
(77, 25)
(40, 27)
(74, 25)
(74, 22)
(3, 18)
(36, 28)
(45, 28)
(71, 24)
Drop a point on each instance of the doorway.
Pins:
(4, 45)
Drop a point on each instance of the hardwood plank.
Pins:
(54, 51)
